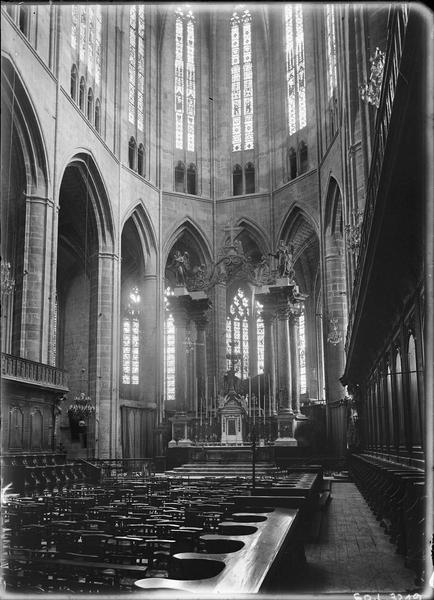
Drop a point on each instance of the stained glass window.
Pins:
(74, 27)
(295, 67)
(260, 336)
(331, 49)
(91, 39)
(98, 47)
(242, 81)
(136, 65)
(237, 334)
(86, 34)
(83, 29)
(185, 79)
(130, 340)
(302, 352)
(169, 350)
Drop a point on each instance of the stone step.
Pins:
(229, 465)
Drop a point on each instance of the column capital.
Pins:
(180, 308)
(268, 302)
(268, 315)
(283, 310)
(199, 312)
(293, 317)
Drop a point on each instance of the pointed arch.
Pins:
(25, 124)
(192, 229)
(74, 81)
(237, 180)
(299, 228)
(82, 94)
(146, 233)
(256, 232)
(294, 213)
(249, 175)
(91, 175)
(291, 163)
(333, 206)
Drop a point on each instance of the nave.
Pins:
(293, 531)
(216, 295)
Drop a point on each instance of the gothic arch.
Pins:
(26, 127)
(146, 233)
(295, 212)
(90, 175)
(256, 232)
(190, 229)
(300, 229)
(333, 207)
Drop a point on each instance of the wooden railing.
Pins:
(397, 25)
(28, 371)
(123, 468)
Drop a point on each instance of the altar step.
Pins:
(226, 469)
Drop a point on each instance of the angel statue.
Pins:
(180, 264)
(285, 260)
(262, 270)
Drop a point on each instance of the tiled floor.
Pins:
(353, 554)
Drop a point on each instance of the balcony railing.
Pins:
(24, 370)
(395, 40)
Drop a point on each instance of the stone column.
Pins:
(103, 356)
(335, 308)
(285, 419)
(149, 341)
(36, 269)
(180, 309)
(295, 366)
(219, 319)
(284, 371)
(268, 316)
(199, 314)
(190, 352)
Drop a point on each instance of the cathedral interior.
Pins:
(217, 299)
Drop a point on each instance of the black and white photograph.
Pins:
(217, 300)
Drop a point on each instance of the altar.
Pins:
(233, 414)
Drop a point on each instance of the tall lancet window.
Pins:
(331, 49)
(185, 80)
(242, 81)
(86, 33)
(131, 339)
(260, 336)
(295, 67)
(136, 65)
(169, 350)
(302, 352)
(237, 333)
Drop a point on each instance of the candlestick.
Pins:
(195, 395)
(250, 396)
(269, 394)
(207, 409)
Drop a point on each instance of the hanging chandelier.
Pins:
(370, 91)
(82, 407)
(7, 281)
